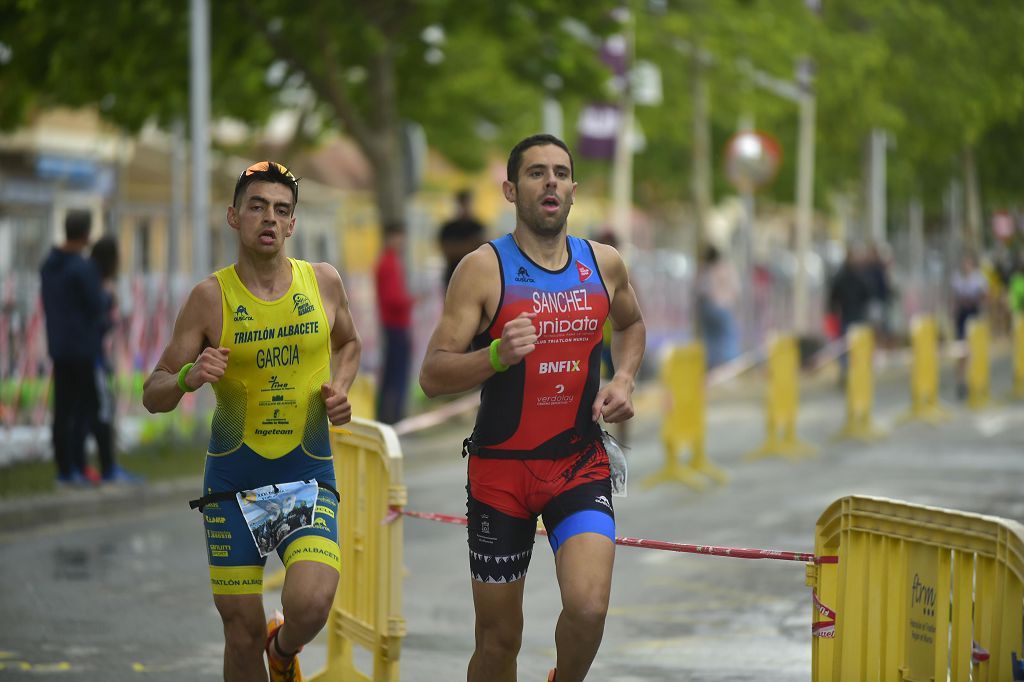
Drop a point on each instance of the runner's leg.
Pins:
(499, 631)
(583, 566)
(245, 633)
(306, 600)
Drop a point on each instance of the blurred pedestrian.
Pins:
(877, 272)
(461, 235)
(394, 308)
(969, 288)
(718, 293)
(523, 318)
(274, 338)
(849, 296)
(75, 308)
(104, 257)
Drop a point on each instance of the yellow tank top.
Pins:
(269, 397)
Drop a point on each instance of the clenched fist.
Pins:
(518, 339)
(339, 409)
(208, 368)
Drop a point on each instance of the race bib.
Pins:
(617, 464)
(274, 512)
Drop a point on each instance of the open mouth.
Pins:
(267, 237)
(550, 204)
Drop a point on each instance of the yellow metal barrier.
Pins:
(782, 402)
(1018, 356)
(916, 590)
(979, 341)
(860, 386)
(924, 373)
(368, 605)
(683, 373)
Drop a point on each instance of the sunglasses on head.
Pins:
(264, 166)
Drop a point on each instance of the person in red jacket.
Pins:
(394, 305)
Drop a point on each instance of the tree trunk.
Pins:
(700, 179)
(972, 201)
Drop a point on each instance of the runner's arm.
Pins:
(630, 338)
(161, 392)
(448, 367)
(346, 346)
(614, 400)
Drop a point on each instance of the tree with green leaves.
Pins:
(472, 75)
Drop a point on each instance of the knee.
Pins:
(500, 640)
(242, 634)
(312, 610)
(588, 612)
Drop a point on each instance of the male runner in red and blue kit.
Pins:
(531, 306)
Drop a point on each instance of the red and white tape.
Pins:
(823, 628)
(713, 550)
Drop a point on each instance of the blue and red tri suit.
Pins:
(535, 449)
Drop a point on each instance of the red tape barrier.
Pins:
(735, 552)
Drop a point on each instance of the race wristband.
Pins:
(495, 361)
(181, 377)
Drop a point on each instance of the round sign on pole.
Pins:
(752, 160)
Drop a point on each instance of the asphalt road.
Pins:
(122, 595)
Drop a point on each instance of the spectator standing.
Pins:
(461, 235)
(394, 306)
(73, 304)
(969, 287)
(104, 257)
(849, 296)
(876, 270)
(718, 292)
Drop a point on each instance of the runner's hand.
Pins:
(339, 409)
(614, 402)
(208, 368)
(518, 339)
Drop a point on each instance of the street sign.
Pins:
(751, 160)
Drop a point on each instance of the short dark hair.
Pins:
(515, 158)
(394, 227)
(266, 171)
(104, 255)
(77, 225)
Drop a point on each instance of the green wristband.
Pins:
(181, 377)
(495, 360)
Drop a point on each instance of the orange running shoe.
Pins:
(280, 671)
(551, 675)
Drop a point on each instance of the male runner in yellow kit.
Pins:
(274, 337)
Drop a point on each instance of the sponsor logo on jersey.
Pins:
(585, 272)
(242, 315)
(559, 367)
(302, 304)
(523, 275)
(601, 499)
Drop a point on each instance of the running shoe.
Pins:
(551, 675)
(91, 475)
(279, 671)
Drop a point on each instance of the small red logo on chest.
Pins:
(585, 272)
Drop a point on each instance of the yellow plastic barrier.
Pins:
(860, 386)
(1018, 357)
(683, 373)
(368, 605)
(979, 370)
(916, 591)
(924, 373)
(363, 397)
(782, 402)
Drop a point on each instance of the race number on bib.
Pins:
(274, 512)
